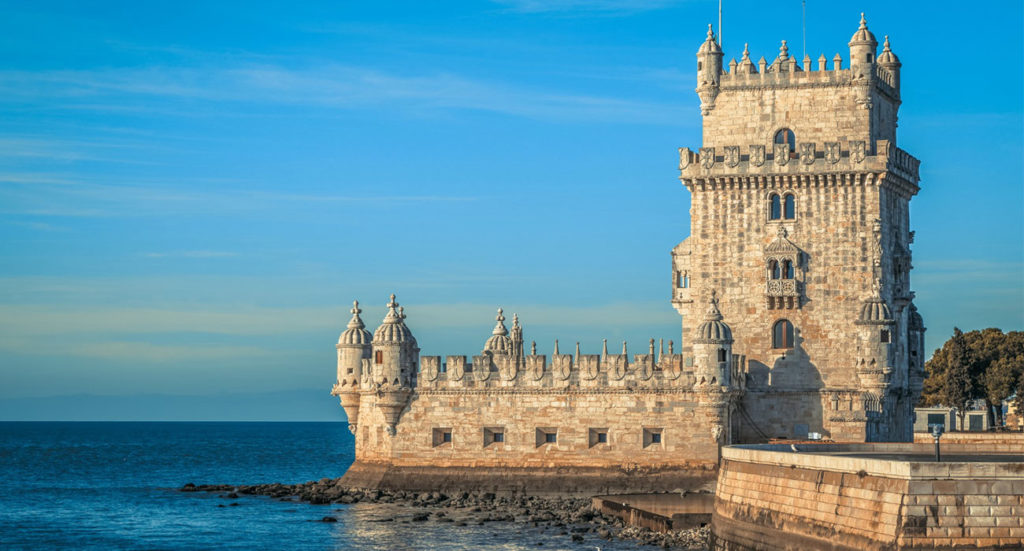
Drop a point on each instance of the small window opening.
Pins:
(884, 337)
(787, 269)
(786, 136)
(721, 354)
(441, 436)
(683, 280)
(652, 437)
(782, 334)
(546, 436)
(868, 57)
(700, 65)
(789, 207)
(774, 207)
(773, 269)
(350, 371)
(597, 436)
(493, 435)
(378, 357)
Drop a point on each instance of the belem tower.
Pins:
(794, 292)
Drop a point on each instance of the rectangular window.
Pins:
(884, 337)
(652, 437)
(597, 436)
(975, 422)
(441, 436)
(379, 357)
(936, 419)
(546, 436)
(493, 435)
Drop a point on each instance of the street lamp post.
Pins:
(936, 434)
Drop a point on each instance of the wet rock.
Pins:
(329, 519)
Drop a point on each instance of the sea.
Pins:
(107, 485)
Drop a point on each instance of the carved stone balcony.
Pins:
(783, 294)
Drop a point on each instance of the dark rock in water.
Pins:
(232, 495)
(329, 519)
(577, 538)
(420, 517)
(190, 487)
(234, 504)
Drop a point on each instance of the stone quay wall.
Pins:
(770, 498)
(977, 441)
(569, 441)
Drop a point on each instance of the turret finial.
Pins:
(392, 303)
(783, 51)
(711, 33)
(713, 313)
(355, 322)
(401, 312)
(863, 21)
(650, 349)
(623, 348)
(533, 348)
(885, 45)
(499, 326)
(515, 320)
(355, 308)
(604, 348)
(746, 52)
(556, 347)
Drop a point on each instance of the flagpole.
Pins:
(719, 23)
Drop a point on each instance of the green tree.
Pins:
(958, 387)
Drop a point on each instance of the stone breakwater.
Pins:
(574, 516)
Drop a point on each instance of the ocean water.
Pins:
(114, 486)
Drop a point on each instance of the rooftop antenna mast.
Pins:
(804, 4)
(719, 23)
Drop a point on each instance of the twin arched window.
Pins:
(780, 207)
(782, 334)
(783, 270)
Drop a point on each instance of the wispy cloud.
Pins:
(599, 6)
(331, 86)
(192, 254)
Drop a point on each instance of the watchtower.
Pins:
(800, 224)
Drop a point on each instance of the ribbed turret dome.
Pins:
(887, 57)
(393, 329)
(863, 35)
(916, 322)
(875, 310)
(713, 330)
(499, 341)
(356, 334)
(710, 45)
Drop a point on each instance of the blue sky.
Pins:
(192, 193)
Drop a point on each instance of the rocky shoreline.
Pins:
(575, 517)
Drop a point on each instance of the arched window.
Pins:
(782, 334)
(773, 269)
(786, 136)
(789, 207)
(787, 269)
(774, 207)
(682, 280)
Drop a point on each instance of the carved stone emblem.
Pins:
(507, 368)
(536, 370)
(857, 151)
(429, 371)
(482, 370)
(732, 155)
(645, 370)
(684, 157)
(807, 153)
(832, 152)
(618, 369)
(781, 154)
(707, 157)
(456, 370)
(589, 368)
(562, 367)
(757, 155)
(673, 367)
(716, 433)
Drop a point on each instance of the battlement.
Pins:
(582, 371)
(814, 160)
(783, 73)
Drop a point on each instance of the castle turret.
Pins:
(354, 350)
(888, 61)
(709, 72)
(862, 50)
(499, 341)
(395, 355)
(712, 348)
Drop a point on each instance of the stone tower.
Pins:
(800, 225)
